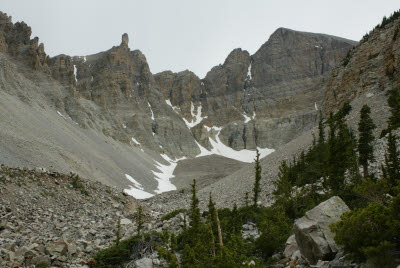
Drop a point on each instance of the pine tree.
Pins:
(394, 104)
(236, 223)
(139, 219)
(365, 148)
(257, 187)
(195, 219)
(321, 129)
(392, 160)
(118, 232)
(212, 217)
(340, 149)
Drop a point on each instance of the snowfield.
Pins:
(136, 190)
(219, 148)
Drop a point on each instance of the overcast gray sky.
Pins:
(185, 34)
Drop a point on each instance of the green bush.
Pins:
(368, 233)
(172, 214)
(118, 255)
(78, 185)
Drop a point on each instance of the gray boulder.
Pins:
(144, 263)
(291, 246)
(312, 233)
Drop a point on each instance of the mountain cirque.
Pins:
(105, 116)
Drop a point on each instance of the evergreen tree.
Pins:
(321, 129)
(394, 104)
(212, 217)
(195, 219)
(257, 187)
(236, 221)
(365, 148)
(118, 232)
(139, 219)
(392, 160)
(340, 149)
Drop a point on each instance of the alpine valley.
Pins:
(265, 162)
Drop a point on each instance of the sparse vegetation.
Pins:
(172, 214)
(78, 185)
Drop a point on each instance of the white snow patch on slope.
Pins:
(136, 190)
(197, 117)
(166, 172)
(135, 182)
(84, 59)
(152, 114)
(75, 71)
(60, 114)
(135, 141)
(219, 148)
(246, 118)
(176, 109)
(123, 125)
(249, 71)
(315, 106)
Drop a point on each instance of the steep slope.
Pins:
(366, 79)
(264, 100)
(106, 117)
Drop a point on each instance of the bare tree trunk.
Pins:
(219, 229)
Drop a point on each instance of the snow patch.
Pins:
(84, 59)
(219, 148)
(152, 114)
(123, 125)
(197, 117)
(136, 190)
(135, 141)
(135, 182)
(75, 71)
(176, 109)
(60, 114)
(369, 95)
(166, 172)
(249, 71)
(246, 118)
(315, 106)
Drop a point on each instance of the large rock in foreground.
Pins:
(313, 236)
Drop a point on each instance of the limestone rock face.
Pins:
(125, 40)
(312, 233)
(264, 100)
(372, 67)
(249, 101)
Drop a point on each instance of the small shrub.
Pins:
(78, 185)
(120, 254)
(172, 214)
(42, 265)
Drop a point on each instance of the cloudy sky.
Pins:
(186, 34)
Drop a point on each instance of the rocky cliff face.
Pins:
(250, 97)
(263, 100)
(370, 68)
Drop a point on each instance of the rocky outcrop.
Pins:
(250, 96)
(46, 218)
(312, 233)
(371, 67)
